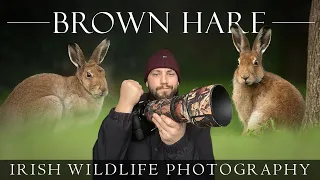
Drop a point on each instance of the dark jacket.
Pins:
(114, 142)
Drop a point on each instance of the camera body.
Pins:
(141, 127)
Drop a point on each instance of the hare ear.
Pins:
(100, 52)
(239, 39)
(262, 40)
(76, 55)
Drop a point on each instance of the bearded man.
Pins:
(170, 140)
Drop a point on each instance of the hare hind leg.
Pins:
(48, 109)
(43, 111)
(33, 118)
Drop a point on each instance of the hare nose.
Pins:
(245, 78)
(104, 89)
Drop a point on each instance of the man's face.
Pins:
(163, 83)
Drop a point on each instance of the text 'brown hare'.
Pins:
(52, 97)
(261, 96)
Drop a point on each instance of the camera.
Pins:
(208, 106)
(141, 127)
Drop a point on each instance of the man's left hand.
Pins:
(169, 130)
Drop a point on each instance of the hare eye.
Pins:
(89, 75)
(255, 62)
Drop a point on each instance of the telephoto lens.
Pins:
(208, 106)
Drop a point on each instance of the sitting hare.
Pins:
(52, 97)
(260, 96)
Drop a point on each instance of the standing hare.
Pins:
(51, 97)
(260, 96)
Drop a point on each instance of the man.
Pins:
(171, 140)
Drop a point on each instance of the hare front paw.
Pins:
(256, 123)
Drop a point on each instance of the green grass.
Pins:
(77, 142)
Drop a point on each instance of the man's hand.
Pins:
(130, 93)
(169, 130)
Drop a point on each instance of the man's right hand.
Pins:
(130, 93)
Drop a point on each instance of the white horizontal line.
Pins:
(28, 22)
(293, 22)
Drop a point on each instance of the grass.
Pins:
(77, 142)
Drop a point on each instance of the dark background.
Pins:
(27, 49)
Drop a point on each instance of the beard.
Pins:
(164, 94)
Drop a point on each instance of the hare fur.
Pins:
(52, 97)
(260, 96)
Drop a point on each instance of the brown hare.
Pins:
(260, 96)
(52, 97)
